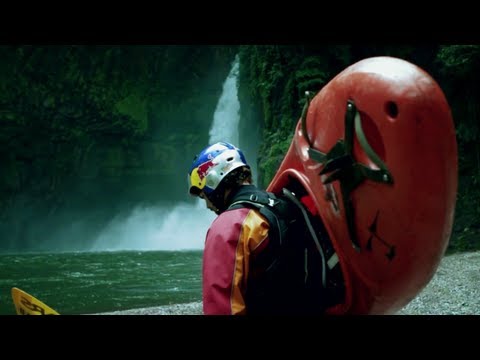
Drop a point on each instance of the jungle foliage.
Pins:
(92, 129)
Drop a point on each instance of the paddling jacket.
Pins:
(259, 259)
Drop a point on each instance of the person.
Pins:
(245, 270)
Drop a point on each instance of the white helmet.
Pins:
(211, 166)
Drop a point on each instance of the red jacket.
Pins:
(233, 237)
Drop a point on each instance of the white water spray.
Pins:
(184, 227)
(227, 114)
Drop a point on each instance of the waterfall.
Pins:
(185, 226)
(227, 113)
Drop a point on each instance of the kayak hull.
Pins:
(390, 228)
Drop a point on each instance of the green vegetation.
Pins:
(92, 129)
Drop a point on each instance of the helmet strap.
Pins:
(217, 198)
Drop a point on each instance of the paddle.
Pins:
(26, 304)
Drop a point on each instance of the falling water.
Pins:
(227, 114)
(184, 226)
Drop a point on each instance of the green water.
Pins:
(93, 282)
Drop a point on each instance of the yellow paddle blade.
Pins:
(26, 304)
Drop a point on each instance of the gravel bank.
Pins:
(453, 290)
(194, 308)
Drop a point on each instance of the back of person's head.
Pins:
(216, 168)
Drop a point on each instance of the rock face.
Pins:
(453, 290)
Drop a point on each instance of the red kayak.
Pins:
(376, 150)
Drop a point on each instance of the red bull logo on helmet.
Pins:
(202, 169)
(198, 176)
